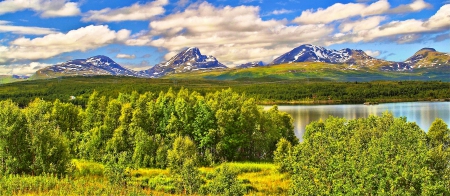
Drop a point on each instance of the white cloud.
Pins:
(134, 12)
(82, 39)
(6, 26)
(440, 20)
(22, 69)
(46, 8)
(125, 56)
(234, 35)
(280, 12)
(405, 31)
(363, 24)
(372, 53)
(340, 11)
(415, 6)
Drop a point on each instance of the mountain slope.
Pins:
(312, 53)
(96, 65)
(187, 60)
(428, 57)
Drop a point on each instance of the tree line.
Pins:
(263, 91)
(138, 129)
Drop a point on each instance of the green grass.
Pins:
(88, 179)
(87, 168)
(305, 70)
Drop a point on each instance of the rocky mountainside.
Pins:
(426, 57)
(312, 53)
(96, 65)
(191, 59)
(187, 60)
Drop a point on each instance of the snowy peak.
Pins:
(312, 53)
(96, 65)
(428, 57)
(189, 59)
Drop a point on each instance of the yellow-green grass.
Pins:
(88, 179)
(85, 168)
(259, 178)
(293, 71)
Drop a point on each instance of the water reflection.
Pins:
(423, 113)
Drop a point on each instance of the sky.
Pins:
(139, 34)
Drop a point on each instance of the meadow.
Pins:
(88, 178)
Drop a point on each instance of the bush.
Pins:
(116, 169)
(225, 182)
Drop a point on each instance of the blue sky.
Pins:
(140, 34)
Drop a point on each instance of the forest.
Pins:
(264, 90)
(217, 143)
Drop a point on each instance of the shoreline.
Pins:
(340, 102)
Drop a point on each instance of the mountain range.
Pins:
(191, 60)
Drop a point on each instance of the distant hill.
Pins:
(251, 64)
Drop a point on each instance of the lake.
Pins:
(423, 113)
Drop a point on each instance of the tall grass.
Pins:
(87, 179)
(86, 168)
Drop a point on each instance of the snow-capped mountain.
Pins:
(96, 65)
(251, 64)
(428, 57)
(424, 58)
(312, 53)
(189, 59)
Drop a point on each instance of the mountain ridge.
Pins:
(191, 60)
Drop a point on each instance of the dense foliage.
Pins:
(265, 91)
(180, 130)
(369, 156)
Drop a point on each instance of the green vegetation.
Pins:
(274, 91)
(333, 72)
(185, 142)
(369, 156)
(180, 131)
(229, 178)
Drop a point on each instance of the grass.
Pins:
(305, 70)
(88, 179)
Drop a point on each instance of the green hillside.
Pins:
(307, 70)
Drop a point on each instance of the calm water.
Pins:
(423, 113)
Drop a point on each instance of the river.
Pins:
(423, 113)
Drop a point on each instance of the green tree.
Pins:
(15, 157)
(438, 138)
(368, 156)
(282, 156)
(48, 147)
(94, 113)
(183, 149)
(182, 162)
